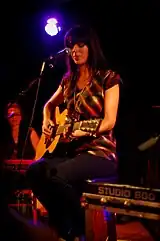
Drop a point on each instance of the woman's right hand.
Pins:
(47, 126)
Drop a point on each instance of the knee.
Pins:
(36, 171)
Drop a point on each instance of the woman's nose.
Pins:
(75, 49)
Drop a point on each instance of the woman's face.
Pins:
(80, 53)
(14, 115)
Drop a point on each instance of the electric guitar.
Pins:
(49, 143)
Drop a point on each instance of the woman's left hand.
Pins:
(79, 133)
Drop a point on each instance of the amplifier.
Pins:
(123, 199)
(18, 164)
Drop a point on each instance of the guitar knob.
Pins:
(103, 200)
(127, 203)
(84, 202)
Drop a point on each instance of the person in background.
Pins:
(18, 131)
(13, 225)
(90, 91)
(20, 142)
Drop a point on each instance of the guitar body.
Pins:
(49, 146)
(49, 143)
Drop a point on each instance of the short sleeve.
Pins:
(111, 78)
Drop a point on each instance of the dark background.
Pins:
(129, 34)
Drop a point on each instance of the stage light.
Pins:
(52, 27)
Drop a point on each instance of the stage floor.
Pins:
(133, 231)
(127, 231)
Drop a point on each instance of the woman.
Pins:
(90, 91)
(20, 142)
(18, 134)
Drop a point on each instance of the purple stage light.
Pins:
(52, 28)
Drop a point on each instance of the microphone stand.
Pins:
(22, 93)
(51, 65)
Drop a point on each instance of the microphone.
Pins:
(10, 115)
(149, 143)
(65, 51)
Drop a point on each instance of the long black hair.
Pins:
(96, 59)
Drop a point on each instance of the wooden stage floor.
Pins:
(133, 231)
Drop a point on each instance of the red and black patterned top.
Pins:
(88, 103)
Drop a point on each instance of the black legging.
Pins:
(56, 184)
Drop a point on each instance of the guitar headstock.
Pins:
(90, 125)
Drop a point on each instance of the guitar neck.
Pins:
(86, 125)
(60, 128)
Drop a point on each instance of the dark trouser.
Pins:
(56, 184)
